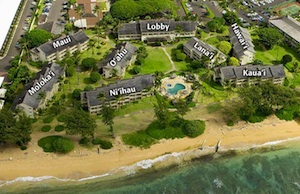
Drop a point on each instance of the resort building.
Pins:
(40, 90)
(115, 64)
(289, 27)
(197, 49)
(87, 17)
(57, 49)
(249, 75)
(118, 94)
(156, 30)
(243, 48)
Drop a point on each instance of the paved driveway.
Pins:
(13, 51)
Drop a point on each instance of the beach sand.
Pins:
(87, 162)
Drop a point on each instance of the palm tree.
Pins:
(96, 10)
(108, 115)
(24, 45)
(80, 13)
(91, 44)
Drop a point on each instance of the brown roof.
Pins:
(87, 7)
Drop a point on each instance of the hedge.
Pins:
(46, 128)
(59, 128)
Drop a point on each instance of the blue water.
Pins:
(175, 89)
(263, 171)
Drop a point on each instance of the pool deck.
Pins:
(173, 81)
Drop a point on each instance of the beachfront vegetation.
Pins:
(14, 130)
(79, 122)
(59, 128)
(108, 115)
(193, 128)
(56, 143)
(104, 144)
(255, 103)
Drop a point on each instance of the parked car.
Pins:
(25, 28)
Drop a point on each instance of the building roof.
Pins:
(53, 27)
(141, 26)
(34, 100)
(288, 25)
(236, 72)
(130, 52)
(48, 49)
(89, 16)
(192, 41)
(140, 83)
(237, 47)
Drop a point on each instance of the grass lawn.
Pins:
(156, 61)
(143, 104)
(213, 41)
(180, 65)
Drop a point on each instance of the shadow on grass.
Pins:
(87, 80)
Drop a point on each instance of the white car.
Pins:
(25, 28)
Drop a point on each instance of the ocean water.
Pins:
(272, 169)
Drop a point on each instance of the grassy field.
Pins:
(156, 61)
(143, 104)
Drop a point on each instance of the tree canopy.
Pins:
(88, 63)
(216, 24)
(270, 36)
(79, 122)
(225, 47)
(233, 61)
(37, 37)
(128, 9)
(13, 130)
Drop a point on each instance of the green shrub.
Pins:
(46, 128)
(61, 118)
(193, 128)
(33, 120)
(138, 139)
(23, 147)
(230, 123)
(256, 118)
(105, 144)
(84, 141)
(48, 119)
(288, 113)
(59, 128)
(63, 145)
(46, 142)
(156, 131)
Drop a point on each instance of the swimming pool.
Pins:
(175, 89)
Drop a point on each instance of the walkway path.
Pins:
(170, 59)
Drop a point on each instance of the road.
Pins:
(13, 51)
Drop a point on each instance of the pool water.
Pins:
(175, 89)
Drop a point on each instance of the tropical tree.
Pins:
(80, 13)
(79, 122)
(161, 111)
(270, 37)
(108, 115)
(181, 107)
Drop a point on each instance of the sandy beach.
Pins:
(84, 162)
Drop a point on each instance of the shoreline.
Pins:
(84, 163)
